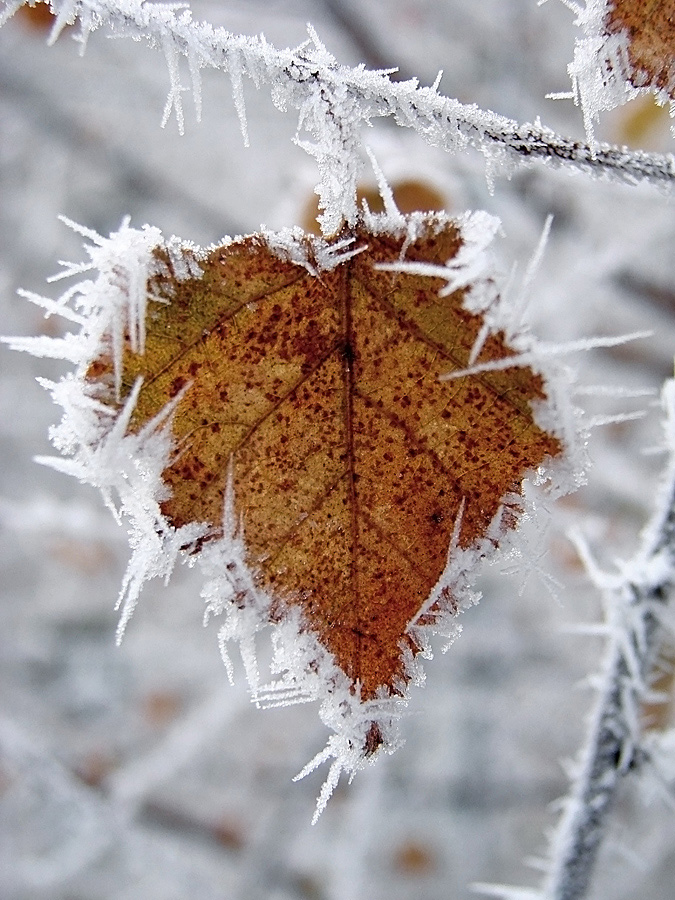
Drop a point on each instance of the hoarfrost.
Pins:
(334, 101)
(545, 350)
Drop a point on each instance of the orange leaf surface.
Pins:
(650, 28)
(351, 464)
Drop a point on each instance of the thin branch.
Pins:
(312, 81)
(633, 601)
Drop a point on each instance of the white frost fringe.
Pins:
(95, 446)
(126, 467)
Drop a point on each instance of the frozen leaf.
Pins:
(649, 26)
(312, 375)
(38, 17)
(627, 49)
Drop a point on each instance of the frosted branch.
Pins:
(633, 601)
(335, 100)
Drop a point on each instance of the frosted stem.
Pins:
(608, 755)
(613, 745)
(310, 80)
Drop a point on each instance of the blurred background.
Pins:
(138, 772)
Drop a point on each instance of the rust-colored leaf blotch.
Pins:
(350, 459)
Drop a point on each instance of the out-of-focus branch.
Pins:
(360, 35)
(130, 176)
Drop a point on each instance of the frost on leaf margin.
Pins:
(116, 436)
(627, 49)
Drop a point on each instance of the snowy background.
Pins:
(138, 772)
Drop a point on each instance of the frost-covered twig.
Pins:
(633, 602)
(335, 100)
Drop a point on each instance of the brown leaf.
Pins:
(650, 27)
(414, 858)
(39, 18)
(351, 461)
